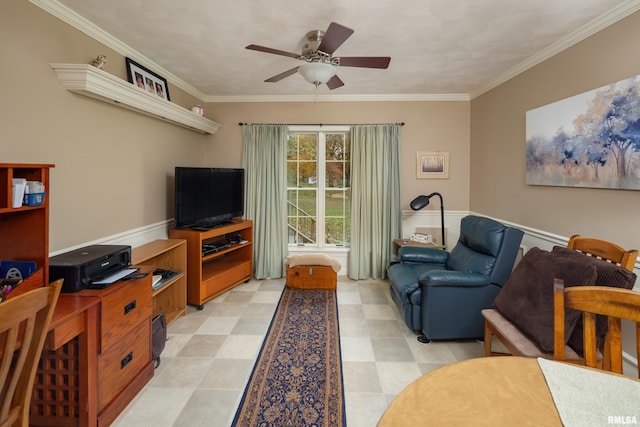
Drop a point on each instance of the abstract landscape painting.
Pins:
(588, 140)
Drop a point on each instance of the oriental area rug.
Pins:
(297, 378)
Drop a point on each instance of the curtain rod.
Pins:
(321, 124)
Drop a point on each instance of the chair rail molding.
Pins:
(134, 237)
(90, 81)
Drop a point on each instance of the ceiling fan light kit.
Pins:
(320, 66)
(317, 73)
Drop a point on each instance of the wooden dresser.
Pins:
(94, 365)
(124, 344)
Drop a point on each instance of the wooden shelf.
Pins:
(168, 254)
(25, 230)
(90, 81)
(210, 275)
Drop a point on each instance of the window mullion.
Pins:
(320, 199)
(302, 223)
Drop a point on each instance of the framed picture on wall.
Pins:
(432, 165)
(589, 140)
(147, 79)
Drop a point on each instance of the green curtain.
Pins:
(264, 160)
(376, 211)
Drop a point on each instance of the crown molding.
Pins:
(341, 98)
(621, 11)
(80, 23)
(67, 15)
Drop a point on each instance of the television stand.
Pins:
(211, 225)
(211, 274)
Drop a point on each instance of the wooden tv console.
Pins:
(210, 275)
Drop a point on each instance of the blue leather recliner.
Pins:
(440, 294)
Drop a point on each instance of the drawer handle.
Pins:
(129, 307)
(124, 362)
(310, 271)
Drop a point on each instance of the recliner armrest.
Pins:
(450, 278)
(423, 254)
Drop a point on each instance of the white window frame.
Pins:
(321, 130)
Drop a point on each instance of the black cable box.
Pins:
(208, 248)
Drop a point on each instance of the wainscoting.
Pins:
(411, 222)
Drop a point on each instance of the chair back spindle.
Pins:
(24, 321)
(615, 303)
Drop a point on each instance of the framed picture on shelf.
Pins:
(432, 165)
(147, 79)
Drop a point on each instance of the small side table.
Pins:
(406, 242)
(398, 243)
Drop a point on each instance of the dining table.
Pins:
(511, 390)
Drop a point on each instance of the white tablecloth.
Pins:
(587, 397)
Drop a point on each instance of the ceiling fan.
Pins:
(317, 53)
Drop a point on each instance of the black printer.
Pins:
(81, 267)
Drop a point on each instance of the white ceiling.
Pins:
(437, 47)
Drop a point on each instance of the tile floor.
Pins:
(210, 355)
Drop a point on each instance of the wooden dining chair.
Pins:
(518, 343)
(615, 303)
(605, 250)
(24, 321)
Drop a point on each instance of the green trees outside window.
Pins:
(319, 187)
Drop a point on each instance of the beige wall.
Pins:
(429, 126)
(498, 186)
(114, 167)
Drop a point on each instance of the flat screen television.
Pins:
(208, 197)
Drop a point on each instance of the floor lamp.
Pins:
(422, 201)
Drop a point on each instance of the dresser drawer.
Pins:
(119, 365)
(123, 310)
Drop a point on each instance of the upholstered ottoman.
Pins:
(312, 271)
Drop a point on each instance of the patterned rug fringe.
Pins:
(297, 378)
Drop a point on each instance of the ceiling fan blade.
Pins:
(271, 50)
(281, 76)
(365, 61)
(335, 35)
(334, 82)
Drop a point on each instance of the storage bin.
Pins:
(34, 199)
(311, 277)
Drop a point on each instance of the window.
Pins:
(319, 186)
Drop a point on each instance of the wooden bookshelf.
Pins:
(170, 297)
(25, 229)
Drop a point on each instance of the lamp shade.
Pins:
(317, 72)
(419, 202)
(423, 201)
